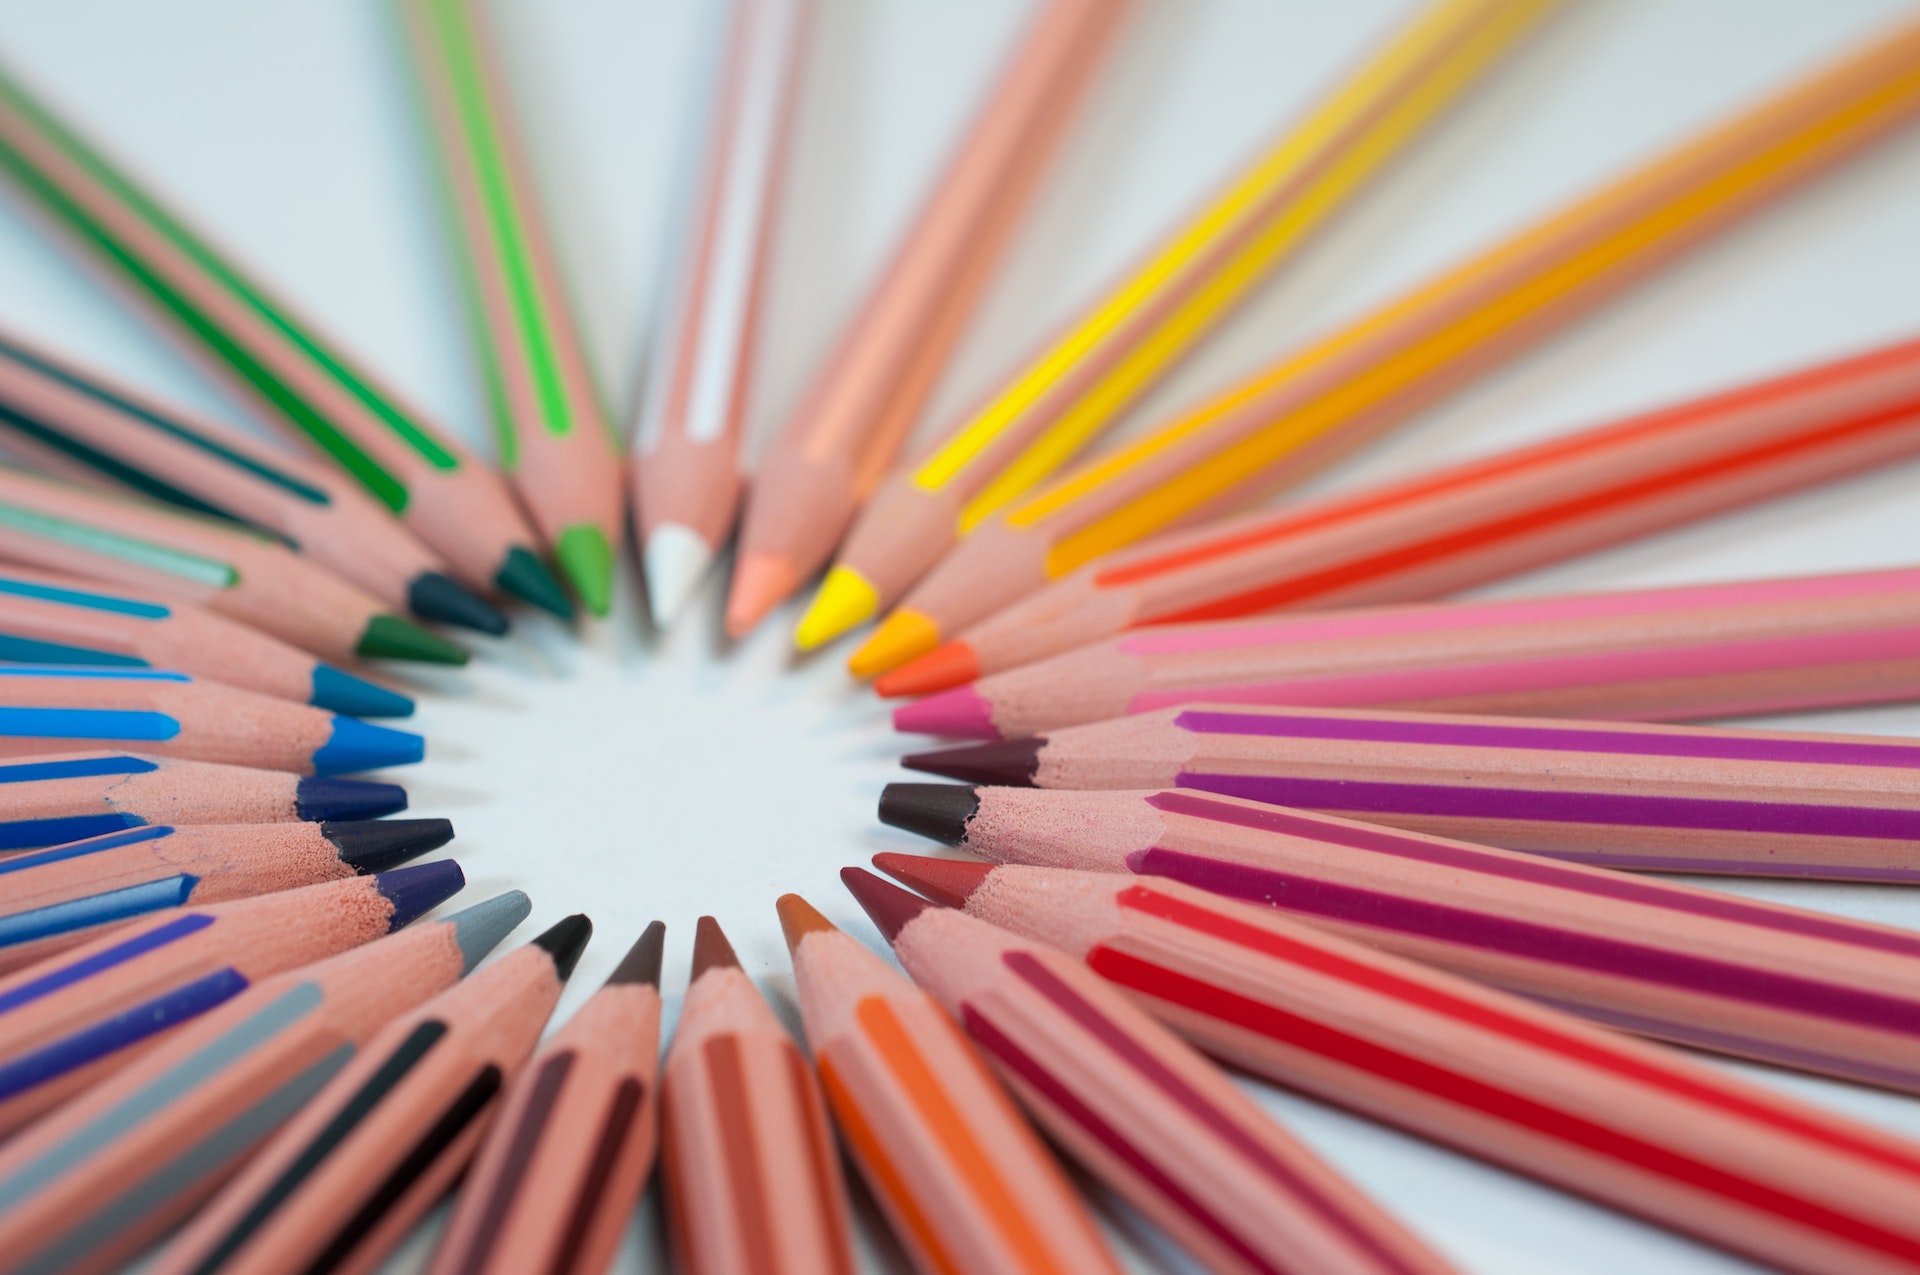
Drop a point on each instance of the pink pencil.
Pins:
(1785, 985)
(1140, 1110)
(1721, 650)
(1636, 1126)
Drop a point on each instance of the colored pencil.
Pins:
(1716, 650)
(1081, 382)
(61, 897)
(432, 483)
(555, 440)
(562, 1168)
(54, 526)
(1467, 524)
(1644, 797)
(701, 370)
(72, 420)
(1321, 402)
(963, 1180)
(838, 444)
(1593, 1112)
(1789, 986)
(52, 799)
(43, 708)
(121, 1165)
(752, 1180)
(47, 618)
(346, 1179)
(73, 1019)
(1140, 1110)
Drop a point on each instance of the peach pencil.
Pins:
(686, 443)
(58, 898)
(87, 1188)
(55, 798)
(1632, 1125)
(1151, 1119)
(1466, 524)
(1624, 795)
(48, 707)
(1319, 404)
(73, 1019)
(238, 573)
(752, 1179)
(346, 1179)
(53, 619)
(961, 1176)
(563, 1166)
(1716, 650)
(839, 442)
(1788, 986)
(428, 480)
(73, 421)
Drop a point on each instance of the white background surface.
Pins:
(635, 777)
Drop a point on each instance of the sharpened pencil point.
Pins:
(339, 692)
(947, 881)
(374, 845)
(420, 889)
(710, 947)
(960, 713)
(564, 941)
(947, 666)
(318, 798)
(677, 561)
(641, 964)
(478, 929)
(937, 811)
(438, 597)
(846, 599)
(524, 576)
(761, 582)
(1009, 762)
(887, 904)
(587, 560)
(388, 637)
(357, 745)
(798, 918)
(905, 635)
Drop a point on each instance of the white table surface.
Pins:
(637, 777)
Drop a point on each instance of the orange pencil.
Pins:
(1144, 1113)
(837, 446)
(87, 1188)
(962, 1178)
(562, 1167)
(1591, 1111)
(346, 1179)
(752, 1179)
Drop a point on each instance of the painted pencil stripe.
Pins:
(364, 1100)
(120, 953)
(96, 909)
(28, 772)
(26, 650)
(888, 1182)
(110, 1035)
(19, 834)
(94, 674)
(1360, 798)
(1534, 1118)
(89, 600)
(830, 1209)
(542, 1094)
(1729, 866)
(111, 544)
(622, 1110)
(115, 840)
(1460, 856)
(1055, 1093)
(732, 1111)
(86, 723)
(1543, 944)
(140, 480)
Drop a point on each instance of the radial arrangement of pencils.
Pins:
(1243, 793)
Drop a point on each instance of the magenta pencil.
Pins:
(1785, 985)
(1633, 1125)
(1718, 650)
(1626, 795)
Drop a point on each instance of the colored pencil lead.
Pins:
(320, 798)
(641, 964)
(388, 637)
(565, 940)
(438, 596)
(936, 811)
(339, 692)
(1012, 762)
(887, 904)
(949, 882)
(710, 947)
(526, 577)
(374, 845)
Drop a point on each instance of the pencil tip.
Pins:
(845, 599)
(524, 576)
(761, 582)
(887, 904)
(905, 635)
(478, 930)
(677, 559)
(949, 665)
(340, 692)
(355, 745)
(1009, 762)
(798, 918)
(318, 798)
(948, 881)
(710, 947)
(374, 845)
(418, 890)
(939, 812)
(586, 557)
(961, 713)
(435, 596)
(388, 637)
(641, 964)
(564, 941)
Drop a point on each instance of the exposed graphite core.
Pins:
(710, 947)
(641, 964)
(318, 798)
(565, 940)
(438, 597)
(946, 881)
(887, 904)
(374, 845)
(937, 811)
(524, 576)
(1009, 762)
